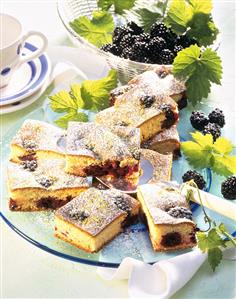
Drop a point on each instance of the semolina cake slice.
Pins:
(95, 150)
(159, 80)
(149, 112)
(165, 142)
(36, 139)
(94, 218)
(168, 217)
(41, 184)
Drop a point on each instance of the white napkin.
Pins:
(160, 280)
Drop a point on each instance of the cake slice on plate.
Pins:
(168, 216)
(160, 81)
(165, 142)
(36, 139)
(95, 150)
(42, 184)
(94, 218)
(144, 110)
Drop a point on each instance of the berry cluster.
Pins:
(180, 212)
(121, 204)
(30, 165)
(196, 177)
(78, 215)
(45, 181)
(160, 46)
(210, 124)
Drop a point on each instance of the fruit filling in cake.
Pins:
(95, 150)
(36, 139)
(94, 218)
(42, 184)
(168, 217)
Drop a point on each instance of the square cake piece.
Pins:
(159, 80)
(168, 216)
(144, 110)
(36, 139)
(165, 142)
(42, 184)
(95, 150)
(94, 218)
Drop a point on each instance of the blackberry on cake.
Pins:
(196, 177)
(147, 101)
(212, 129)
(217, 117)
(228, 188)
(199, 120)
(180, 212)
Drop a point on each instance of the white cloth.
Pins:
(160, 280)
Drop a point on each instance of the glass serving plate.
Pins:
(38, 227)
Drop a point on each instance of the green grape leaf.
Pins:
(97, 30)
(71, 116)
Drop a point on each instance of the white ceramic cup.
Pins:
(12, 40)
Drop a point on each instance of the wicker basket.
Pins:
(72, 9)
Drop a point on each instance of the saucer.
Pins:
(27, 79)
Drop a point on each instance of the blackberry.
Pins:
(197, 177)
(127, 41)
(135, 28)
(106, 47)
(185, 41)
(119, 33)
(140, 50)
(144, 37)
(217, 117)
(158, 29)
(180, 212)
(122, 204)
(45, 181)
(228, 187)
(156, 45)
(29, 145)
(30, 165)
(212, 129)
(198, 120)
(127, 53)
(114, 49)
(177, 48)
(166, 56)
(78, 215)
(147, 101)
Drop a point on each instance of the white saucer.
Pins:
(27, 79)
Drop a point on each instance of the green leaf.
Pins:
(119, 6)
(196, 155)
(214, 257)
(203, 140)
(148, 17)
(209, 240)
(75, 94)
(71, 116)
(203, 6)
(96, 92)
(224, 165)
(202, 29)
(178, 16)
(185, 62)
(222, 146)
(198, 69)
(62, 102)
(105, 4)
(98, 30)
